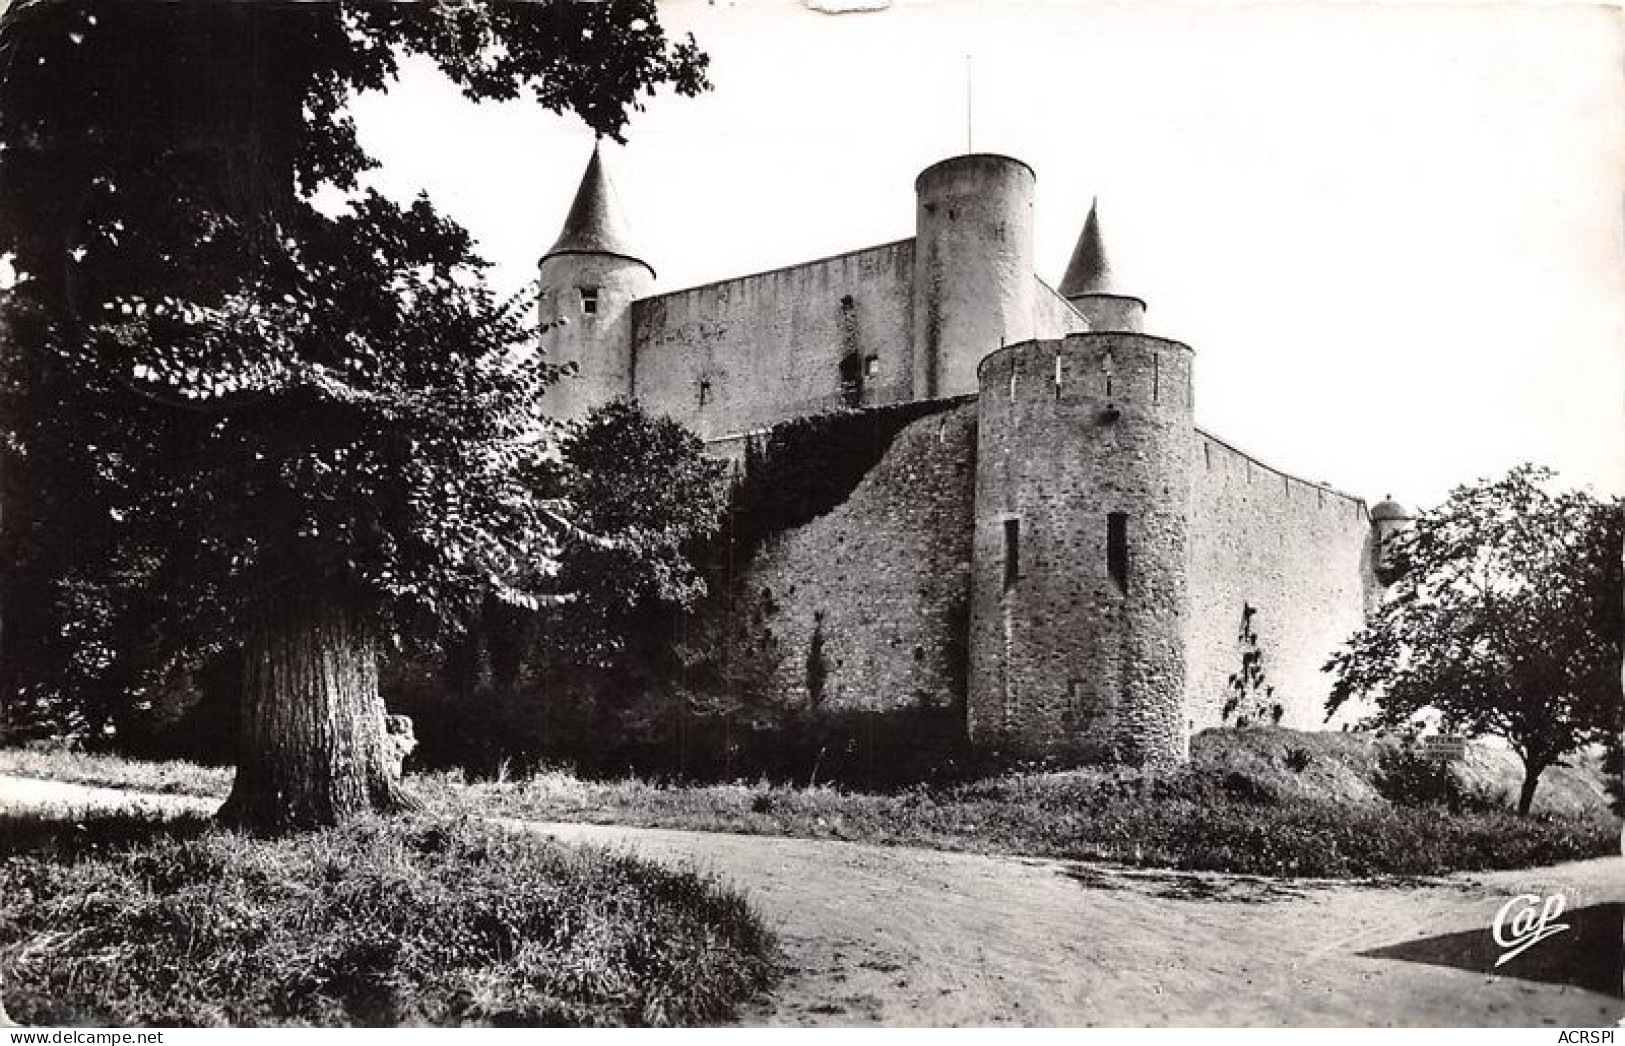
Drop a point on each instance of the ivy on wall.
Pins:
(801, 469)
(1251, 698)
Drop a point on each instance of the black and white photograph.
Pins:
(998, 514)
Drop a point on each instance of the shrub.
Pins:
(1405, 777)
(413, 921)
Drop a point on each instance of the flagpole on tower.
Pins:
(968, 147)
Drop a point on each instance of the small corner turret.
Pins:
(1388, 519)
(1088, 283)
(589, 279)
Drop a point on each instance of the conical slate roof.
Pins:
(594, 224)
(1089, 272)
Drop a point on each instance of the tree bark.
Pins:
(1526, 795)
(312, 747)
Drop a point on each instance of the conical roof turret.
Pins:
(1089, 271)
(594, 224)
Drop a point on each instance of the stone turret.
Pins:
(1089, 286)
(589, 280)
(1388, 519)
(1080, 560)
(973, 268)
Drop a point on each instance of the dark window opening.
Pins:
(1012, 552)
(852, 380)
(589, 301)
(1117, 549)
(705, 392)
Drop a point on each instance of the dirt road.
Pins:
(899, 936)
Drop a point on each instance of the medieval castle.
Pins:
(1059, 551)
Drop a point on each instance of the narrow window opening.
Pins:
(705, 393)
(851, 380)
(871, 366)
(1012, 552)
(1117, 549)
(589, 301)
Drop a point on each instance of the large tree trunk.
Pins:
(1531, 778)
(312, 747)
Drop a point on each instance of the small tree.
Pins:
(645, 487)
(1505, 619)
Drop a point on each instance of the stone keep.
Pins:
(1068, 561)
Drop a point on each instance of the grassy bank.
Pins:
(409, 921)
(1270, 802)
(1174, 823)
(171, 777)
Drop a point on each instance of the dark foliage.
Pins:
(1406, 777)
(492, 732)
(1250, 698)
(806, 467)
(1505, 618)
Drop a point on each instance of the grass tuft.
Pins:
(405, 921)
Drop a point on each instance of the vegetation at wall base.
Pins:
(1264, 801)
(407, 921)
(1227, 825)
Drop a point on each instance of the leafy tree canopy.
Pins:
(1505, 619)
(261, 423)
(262, 396)
(645, 486)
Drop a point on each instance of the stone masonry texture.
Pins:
(881, 581)
(1068, 660)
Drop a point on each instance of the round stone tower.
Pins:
(589, 279)
(973, 268)
(1079, 602)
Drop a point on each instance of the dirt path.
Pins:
(899, 936)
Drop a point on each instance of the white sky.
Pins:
(1393, 234)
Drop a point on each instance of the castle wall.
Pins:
(875, 591)
(746, 353)
(1298, 553)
